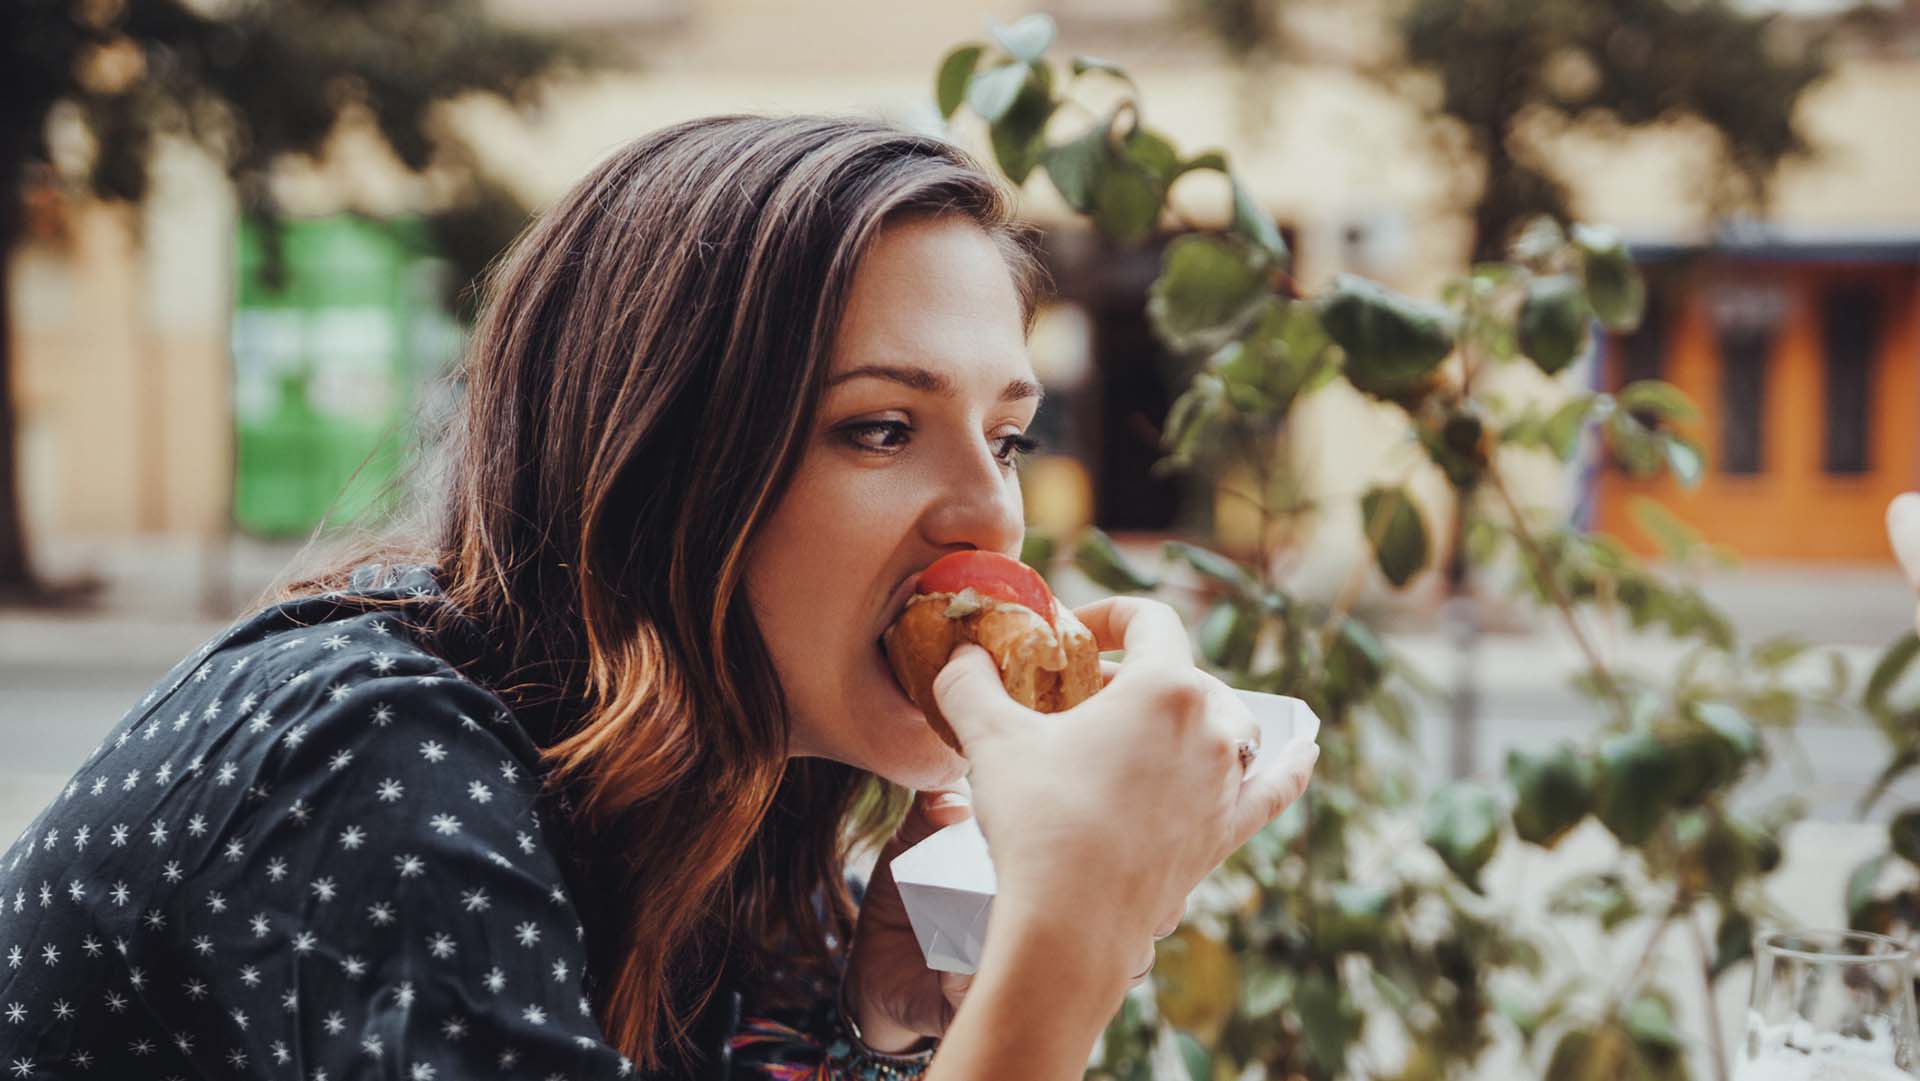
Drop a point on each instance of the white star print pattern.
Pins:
(347, 817)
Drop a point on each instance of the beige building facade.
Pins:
(123, 317)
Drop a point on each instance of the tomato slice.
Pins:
(991, 575)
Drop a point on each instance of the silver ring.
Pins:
(1248, 750)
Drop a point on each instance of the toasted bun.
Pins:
(1044, 667)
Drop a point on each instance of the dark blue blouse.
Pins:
(312, 851)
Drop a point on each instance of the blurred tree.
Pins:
(1502, 73)
(248, 81)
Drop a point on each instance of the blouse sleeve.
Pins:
(381, 902)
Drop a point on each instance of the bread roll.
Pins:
(1045, 667)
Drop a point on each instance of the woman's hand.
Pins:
(894, 997)
(1114, 810)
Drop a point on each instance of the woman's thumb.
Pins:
(970, 695)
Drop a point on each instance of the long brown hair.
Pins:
(639, 388)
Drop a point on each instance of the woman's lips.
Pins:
(897, 603)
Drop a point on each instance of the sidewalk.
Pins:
(66, 677)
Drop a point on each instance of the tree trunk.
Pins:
(16, 570)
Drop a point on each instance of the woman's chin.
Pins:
(907, 749)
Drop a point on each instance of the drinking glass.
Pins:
(1830, 1006)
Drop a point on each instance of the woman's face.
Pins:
(910, 457)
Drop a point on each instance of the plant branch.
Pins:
(1646, 953)
(1714, 1036)
(1544, 571)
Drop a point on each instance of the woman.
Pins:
(569, 791)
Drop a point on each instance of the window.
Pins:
(1747, 312)
(1849, 331)
(1642, 353)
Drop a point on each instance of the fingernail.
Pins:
(948, 800)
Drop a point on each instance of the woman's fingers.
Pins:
(947, 806)
(1171, 923)
(1144, 966)
(1273, 789)
(972, 698)
(1147, 630)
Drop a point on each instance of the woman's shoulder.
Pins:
(334, 685)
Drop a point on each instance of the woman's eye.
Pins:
(879, 436)
(1014, 447)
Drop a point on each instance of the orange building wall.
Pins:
(1793, 509)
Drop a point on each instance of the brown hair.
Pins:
(640, 383)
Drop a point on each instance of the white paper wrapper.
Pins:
(947, 880)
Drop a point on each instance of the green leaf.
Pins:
(1076, 166)
(1126, 204)
(992, 92)
(1903, 835)
(1661, 399)
(1676, 539)
(1889, 668)
(1598, 895)
(1553, 792)
(1194, 1055)
(1684, 460)
(1198, 424)
(1614, 285)
(1732, 943)
(1252, 221)
(1635, 777)
(1211, 565)
(1356, 662)
(1228, 635)
(1029, 39)
(1462, 823)
(1392, 342)
(1279, 358)
(1553, 322)
(1563, 428)
(1394, 528)
(1207, 289)
(950, 85)
(1736, 735)
(1327, 1020)
(1649, 1020)
(1355, 917)
(1018, 135)
(1038, 549)
(1098, 559)
(1211, 159)
(1152, 153)
(1640, 451)
(1264, 990)
(1860, 887)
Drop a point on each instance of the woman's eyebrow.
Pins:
(932, 382)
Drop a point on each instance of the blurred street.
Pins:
(67, 677)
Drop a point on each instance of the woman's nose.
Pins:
(978, 506)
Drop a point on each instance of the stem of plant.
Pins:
(1646, 953)
(1714, 1037)
(1544, 570)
